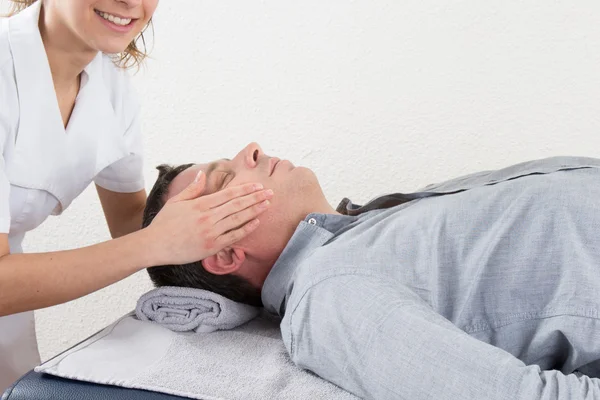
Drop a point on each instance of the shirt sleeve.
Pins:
(126, 174)
(379, 341)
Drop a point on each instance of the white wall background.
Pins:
(375, 96)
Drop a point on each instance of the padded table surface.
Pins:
(37, 386)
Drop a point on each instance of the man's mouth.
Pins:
(115, 19)
(272, 164)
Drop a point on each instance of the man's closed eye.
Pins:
(223, 181)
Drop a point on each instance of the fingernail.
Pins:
(264, 204)
(198, 177)
(269, 192)
(258, 186)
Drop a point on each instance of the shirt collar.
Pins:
(346, 207)
(313, 232)
(37, 100)
(47, 158)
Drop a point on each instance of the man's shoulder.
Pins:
(320, 272)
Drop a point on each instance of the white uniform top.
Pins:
(43, 167)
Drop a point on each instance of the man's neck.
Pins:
(262, 266)
(67, 54)
(324, 208)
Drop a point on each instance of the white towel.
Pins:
(183, 309)
(246, 363)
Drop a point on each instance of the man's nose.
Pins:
(252, 153)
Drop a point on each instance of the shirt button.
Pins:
(312, 221)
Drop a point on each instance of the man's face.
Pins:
(296, 193)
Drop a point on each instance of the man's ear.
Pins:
(225, 261)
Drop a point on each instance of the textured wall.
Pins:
(375, 96)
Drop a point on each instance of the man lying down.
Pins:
(485, 286)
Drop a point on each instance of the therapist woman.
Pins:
(68, 117)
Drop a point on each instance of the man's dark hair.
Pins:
(193, 274)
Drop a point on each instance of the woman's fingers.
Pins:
(226, 195)
(193, 190)
(237, 219)
(236, 235)
(189, 228)
(232, 208)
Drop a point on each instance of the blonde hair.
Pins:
(132, 56)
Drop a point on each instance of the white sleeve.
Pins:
(126, 175)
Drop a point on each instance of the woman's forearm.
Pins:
(188, 228)
(127, 225)
(33, 281)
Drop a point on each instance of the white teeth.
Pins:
(113, 19)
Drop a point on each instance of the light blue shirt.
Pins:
(489, 289)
